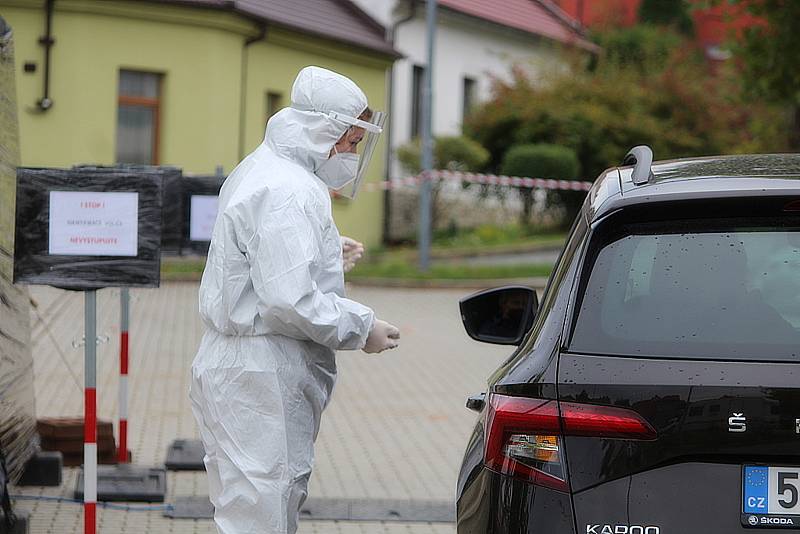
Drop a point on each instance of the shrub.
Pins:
(539, 161)
(455, 153)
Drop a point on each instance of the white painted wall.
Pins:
(380, 10)
(465, 47)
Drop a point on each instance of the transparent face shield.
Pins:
(369, 132)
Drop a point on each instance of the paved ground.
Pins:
(396, 428)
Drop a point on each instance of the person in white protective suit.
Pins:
(272, 300)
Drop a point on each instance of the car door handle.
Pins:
(476, 402)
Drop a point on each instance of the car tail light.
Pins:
(524, 436)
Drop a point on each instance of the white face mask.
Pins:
(339, 170)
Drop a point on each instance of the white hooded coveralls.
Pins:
(272, 300)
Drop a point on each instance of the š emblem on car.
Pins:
(737, 423)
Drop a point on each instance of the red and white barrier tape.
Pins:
(124, 300)
(483, 179)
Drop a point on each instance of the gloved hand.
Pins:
(383, 336)
(352, 251)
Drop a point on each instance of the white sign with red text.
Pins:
(94, 224)
(202, 215)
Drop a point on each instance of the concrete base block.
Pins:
(185, 455)
(44, 469)
(127, 483)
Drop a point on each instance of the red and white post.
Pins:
(124, 303)
(90, 414)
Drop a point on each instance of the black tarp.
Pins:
(35, 265)
(191, 186)
(18, 439)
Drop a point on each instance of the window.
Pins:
(706, 291)
(138, 110)
(274, 104)
(418, 79)
(468, 97)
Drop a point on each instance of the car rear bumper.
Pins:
(491, 503)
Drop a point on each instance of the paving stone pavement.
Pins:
(395, 429)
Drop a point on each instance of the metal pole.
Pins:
(124, 305)
(427, 146)
(90, 414)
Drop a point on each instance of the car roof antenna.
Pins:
(641, 157)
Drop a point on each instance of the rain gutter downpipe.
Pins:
(47, 41)
(262, 33)
(387, 201)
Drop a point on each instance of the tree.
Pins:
(769, 50)
(673, 105)
(644, 47)
(673, 13)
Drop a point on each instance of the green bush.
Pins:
(539, 161)
(455, 153)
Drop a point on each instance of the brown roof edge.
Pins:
(577, 40)
(388, 51)
(562, 15)
(363, 15)
(231, 6)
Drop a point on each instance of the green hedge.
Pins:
(539, 160)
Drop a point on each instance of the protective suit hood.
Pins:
(304, 132)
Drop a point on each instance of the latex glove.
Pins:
(352, 251)
(383, 336)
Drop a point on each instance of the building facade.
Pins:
(184, 83)
(476, 42)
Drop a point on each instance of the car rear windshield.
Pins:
(724, 290)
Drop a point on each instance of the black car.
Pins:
(656, 387)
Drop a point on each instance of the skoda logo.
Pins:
(753, 520)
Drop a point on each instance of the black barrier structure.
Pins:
(172, 225)
(200, 195)
(172, 231)
(200, 201)
(18, 437)
(74, 229)
(86, 231)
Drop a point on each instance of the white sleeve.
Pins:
(282, 250)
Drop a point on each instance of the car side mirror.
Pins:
(501, 316)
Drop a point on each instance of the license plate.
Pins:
(771, 497)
